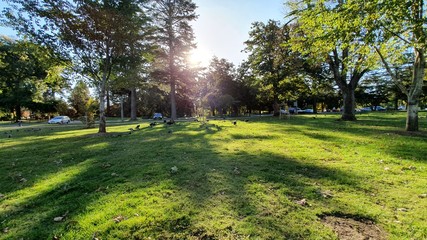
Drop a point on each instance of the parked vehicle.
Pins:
(283, 111)
(157, 116)
(59, 120)
(379, 108)
(295, 110)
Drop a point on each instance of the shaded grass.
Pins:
(232, 182)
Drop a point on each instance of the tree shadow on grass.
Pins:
(124, 188)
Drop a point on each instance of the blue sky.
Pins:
(222, 26)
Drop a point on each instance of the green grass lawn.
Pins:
(263, 179)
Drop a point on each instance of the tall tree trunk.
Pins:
(412, 115)
(415, 91)
(102, 119)
(122, 111)
(173, 99)
(349, 110)
(133, 104)
(314, 104)
(18, 112)
(416, 87)
(108, 113)
(276, 105)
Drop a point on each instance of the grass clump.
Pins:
(266, 178)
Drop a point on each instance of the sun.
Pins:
(199, 57)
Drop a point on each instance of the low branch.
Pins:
(392, 75)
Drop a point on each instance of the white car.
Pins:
(59, 120)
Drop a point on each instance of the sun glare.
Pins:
(200, 57)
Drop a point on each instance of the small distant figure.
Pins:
(153, 124)
(164, 121)
(246, 120)
(171, 122)
(20, 123)
(137, 127)
(234, 122)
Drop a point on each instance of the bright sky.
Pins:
(222, 26)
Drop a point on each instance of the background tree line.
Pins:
(329, 54)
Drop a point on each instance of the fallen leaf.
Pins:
(119, 219)
(402, 209)
(114, 174)
(58, 219)
(1, 196)
(22, 180)
(5, 230)
(424, 195)
(302, 202)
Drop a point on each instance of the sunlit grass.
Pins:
(231, 182)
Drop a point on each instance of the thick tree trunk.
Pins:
(412, 115)
(102, 119)
(173, 99)
(213, 111)
(133, 105)
(122, 111)
(415, 91)
(348, 113)
(18, 112)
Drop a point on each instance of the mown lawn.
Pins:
(263, 179)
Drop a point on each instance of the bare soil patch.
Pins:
(352, 229)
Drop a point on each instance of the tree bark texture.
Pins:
(18, 112)
(102, 119)
(173, 99)
(133, 116)
(348, 113)
(415, 91)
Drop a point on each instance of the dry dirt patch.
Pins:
(351, 229)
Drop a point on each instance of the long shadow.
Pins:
(385, 129)
(136, 171)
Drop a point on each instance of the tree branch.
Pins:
(393, 76)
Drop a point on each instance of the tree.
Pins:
(270, 56)
(396, 28)
(219, 88)
(175, 37)
(330, 32)
(317, 79)
(247, 91)
(95, 32)
(27, 69)
(79, 96)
